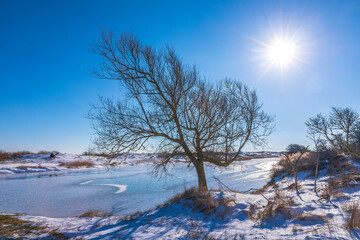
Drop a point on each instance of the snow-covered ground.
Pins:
(322, 219)
(308, 216)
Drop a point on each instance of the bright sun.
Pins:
(281, 52)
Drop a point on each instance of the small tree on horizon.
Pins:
(167, 104)
(294, 148)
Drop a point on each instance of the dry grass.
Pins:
(12, 227)
(55, 235)
(4, 156)
(204, 202)
(252, 212)
(260, 190)
(332, 189)
(92, 214)
(335, 185)
(77, 164)
(307, 217)
(279, 204)
(292, 187)
(131, 217)
(25, 167)
(195, 230)
(353, 211)
(244, 158)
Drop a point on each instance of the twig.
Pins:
(222, 185)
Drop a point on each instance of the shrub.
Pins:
(77, 164)
(339, 164)
(306, 163)
(48, 152)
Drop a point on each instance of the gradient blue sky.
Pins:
(46, 89)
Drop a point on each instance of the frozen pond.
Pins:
(120, 191)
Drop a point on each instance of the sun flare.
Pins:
(281, 52)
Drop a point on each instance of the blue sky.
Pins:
(46, 89)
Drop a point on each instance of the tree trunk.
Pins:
(296, 181)
(199, 166)
(316, 171)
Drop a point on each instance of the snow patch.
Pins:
(87, 182)
(121, 188)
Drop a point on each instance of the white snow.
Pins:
(179, 221)
(121, 188)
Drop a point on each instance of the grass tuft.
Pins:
(92, 214)
(77, 164)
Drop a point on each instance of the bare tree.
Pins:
(340, 129)
(293, 160)
(168, 105)
(318, 142)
